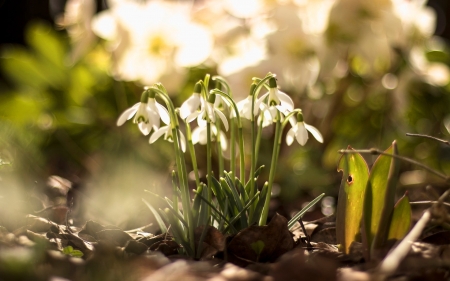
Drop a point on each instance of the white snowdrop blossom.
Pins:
(209, 113)
(199, 135)
(275, 98)
(245, 107)
(168, 136)
(147, 114)
(191, 106)
(299, 131)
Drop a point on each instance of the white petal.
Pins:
(196, 135)
(163, 113)
(182, 141)
(222, 116)
(317, 135)
(189, 106)
(156, 135)
(223, 141)
(261, 99)
(145, 128)
(127, 114)
(209, 109)
(201, 121)
(290, 136)
(192, 116)
(301, 134)
(286, 101)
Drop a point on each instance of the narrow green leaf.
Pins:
(300, 214)
(374, 197)
(242, 191)
(233, 188)
(158, 218)
(220, 194)
(351, 199)
(260, 204)
(246, 207)
(401, 219)
(236, 202)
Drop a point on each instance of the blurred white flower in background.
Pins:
(152, 39)
(309, 43)
(76, 20)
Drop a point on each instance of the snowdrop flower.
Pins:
(299, 131)
(199, 135)
(277, 99)
(245, 106)
(147, 114)
(190, 107)
(209, 113)
(168, 136)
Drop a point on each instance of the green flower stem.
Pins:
(208, 164)
(258, 139)
(233, 147)
(252, 121)
(240, 132)
(192, 153)
(224, 83)
(241, 155)
(279, 127)
(181, 164)
(219, 149)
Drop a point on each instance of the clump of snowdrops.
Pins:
(232, 201)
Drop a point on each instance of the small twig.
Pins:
(138, 229)
(308, 239)
(375, 151)
(393, 259)
(429, 202)
(428, 137)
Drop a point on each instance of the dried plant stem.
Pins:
(428, 137)
(393, 259)
(428, 202)
(375, 151)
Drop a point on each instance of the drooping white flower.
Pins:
(245, 106)
(147, 114)
(277, 99)
(199, 135)
(168, 136)
(192, 104)
(209, 113)
(299, 131)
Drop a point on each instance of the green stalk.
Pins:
(181, 164)
(233, 147)
(208, 163)
(252, 121)
(192, 153)
(258, 139)
(219, 149)
(240, 134)
(279, 127)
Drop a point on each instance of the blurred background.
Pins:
(363, 72)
